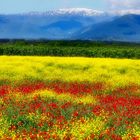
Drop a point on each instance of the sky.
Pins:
(23, 6)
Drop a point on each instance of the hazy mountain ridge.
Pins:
(124, 28)
(36, 25)
(73, 23)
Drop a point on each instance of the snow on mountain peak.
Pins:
(70, 11)
(83, 11)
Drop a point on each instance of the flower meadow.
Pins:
(52, 98)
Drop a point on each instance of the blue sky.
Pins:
(20, 6)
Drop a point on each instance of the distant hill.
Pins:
(124, 28)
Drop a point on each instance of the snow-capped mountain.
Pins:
(79, 11)
(55, 24)
(83, 12)
(81, 23)
(69, 11)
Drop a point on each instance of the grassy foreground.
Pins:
(69, 98)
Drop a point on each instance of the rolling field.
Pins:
(69, 98)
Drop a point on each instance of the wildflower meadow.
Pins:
(65, 98)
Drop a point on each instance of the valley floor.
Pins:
(69, 98)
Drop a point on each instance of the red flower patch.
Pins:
(29, 88)
(4, 90)
(97, 110)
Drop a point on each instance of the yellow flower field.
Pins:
(67, 69)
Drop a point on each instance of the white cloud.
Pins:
(123, 4)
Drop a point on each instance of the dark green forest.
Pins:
(70, 48)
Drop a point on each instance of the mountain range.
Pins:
(71, 24)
